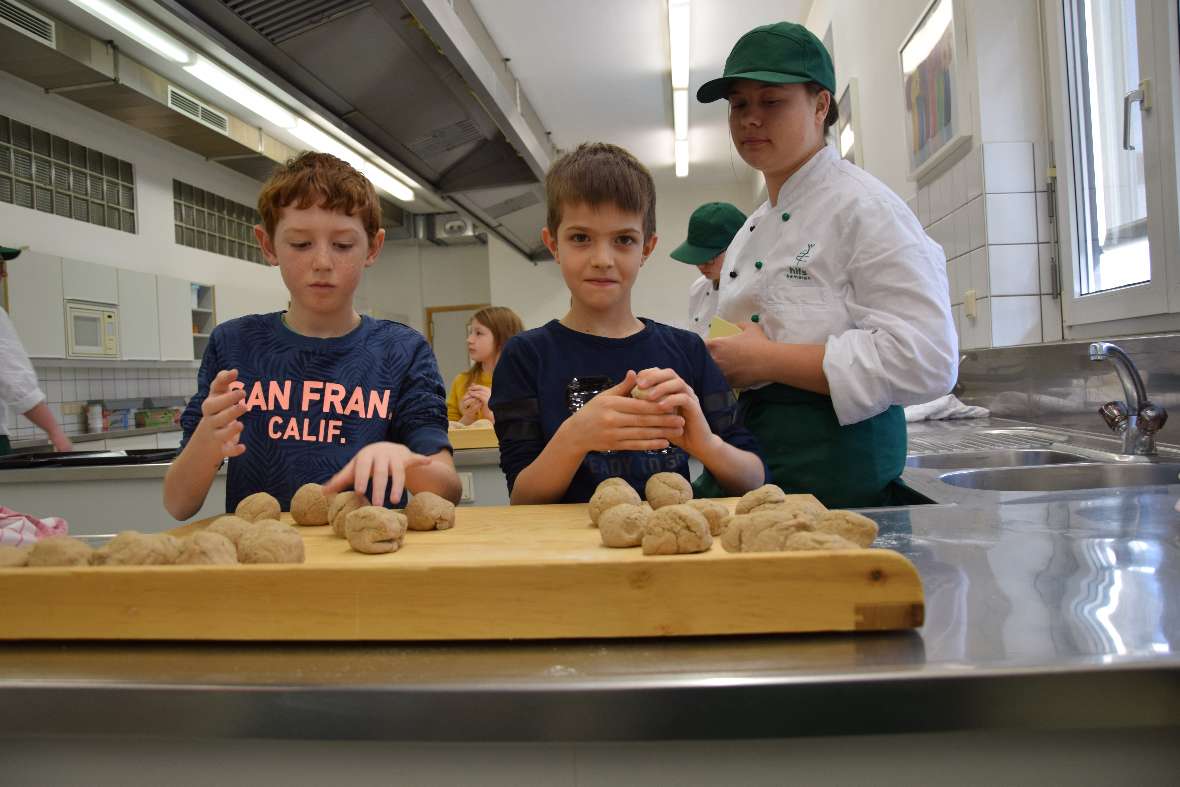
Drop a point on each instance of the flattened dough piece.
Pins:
(428, 511)
(207, 549)
(342, 505)
(667, 489)
(767, 493)
(610, 493)
(622, 525)
(857, 528)
(375, 530)
(271, 541)
(309, 506)
(230, 526)
(60, 551)
(676, 530)
(259, 505)
(744, 532)
(132, 548)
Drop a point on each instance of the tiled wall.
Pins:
(989, 212)
(66, 385)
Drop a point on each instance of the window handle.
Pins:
(1141, 94)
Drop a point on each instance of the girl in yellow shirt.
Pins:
(487, 331)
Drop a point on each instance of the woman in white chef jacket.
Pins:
(841, 296)
(711, 228)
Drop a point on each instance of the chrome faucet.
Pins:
(1137, 419)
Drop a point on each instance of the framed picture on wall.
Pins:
(848, 124)
(936, 116)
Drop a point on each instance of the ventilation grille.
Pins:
(197, 110)
(280, 20)
(447, 138)
(513, 204)
(26, 20)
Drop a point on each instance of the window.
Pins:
(44, 172)
(210, 222)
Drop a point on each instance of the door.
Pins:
(89, 281)
(446, 330)
(174, 305)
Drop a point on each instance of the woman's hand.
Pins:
(383, 463)
(742, 358)
(615, 421)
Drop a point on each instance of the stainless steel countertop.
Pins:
(90, 437)
(1047, 615)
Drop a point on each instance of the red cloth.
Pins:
(17, 529)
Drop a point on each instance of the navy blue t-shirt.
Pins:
(313, 403)
(531, 398)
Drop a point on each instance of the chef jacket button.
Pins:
(758, 265)
(733, 274)
(753, 318)
(752, 227)
(786, 216)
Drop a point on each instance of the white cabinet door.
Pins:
(174, 302)
(139, 322)
(130, 443)
(168, 439)
(36, 307)
(89, 281)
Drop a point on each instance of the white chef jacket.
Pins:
(702, 305)
(18, 381)
(841, 261)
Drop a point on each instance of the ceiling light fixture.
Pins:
(678, 41)
(233, 88)
(383, 179)
(142, 31)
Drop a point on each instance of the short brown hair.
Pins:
(598, 173)
(813, 90)
(318, 179)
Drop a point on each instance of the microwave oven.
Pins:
(92, 330)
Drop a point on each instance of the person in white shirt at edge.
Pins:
(841, 297)
(18, 383)
(711, 227)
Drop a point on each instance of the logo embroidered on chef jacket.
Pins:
(798, 271)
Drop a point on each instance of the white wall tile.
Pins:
(959, 183)
(108, 374)
(1045, 274)
(954, 280)
(1007, 167)
(1013, 270)
(1044, 232)
(1040, 167)
(977, 223)
(1050, 318)
(924, 206)
(962, 231)
(978, 274)
(1011, 218)
(1016, 320)
(69, 391)
(939, 197)
(108, 389)
(973, 173)
(977, 330)
(52, 389)
(957, 311)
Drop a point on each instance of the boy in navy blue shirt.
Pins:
(571, 409)
(316, 393)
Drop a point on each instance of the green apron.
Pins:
(808, 451)
(5, 446)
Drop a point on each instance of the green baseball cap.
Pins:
(711, 228)
(782, 54)
(7, 253)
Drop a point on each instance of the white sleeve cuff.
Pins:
(856, 378)
(28, 401)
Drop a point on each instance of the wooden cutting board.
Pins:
(479, 437)
(527, 572)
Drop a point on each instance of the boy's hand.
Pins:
(667, 389)
(385, 464)
(219, 426)
(615, 421)
(740, 357)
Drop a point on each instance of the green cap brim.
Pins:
(694, 255)
(7, 253)
(715, 89)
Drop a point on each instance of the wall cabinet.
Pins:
(36, 306)
(174, 298)
(89, 281)
(139, 316)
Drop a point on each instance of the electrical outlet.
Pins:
(468, 482)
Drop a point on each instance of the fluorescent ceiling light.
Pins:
(681, 158)
(680, 113)
(378, 174)
(847, 137)
(142, 31)
(386, 182)
(927, 36)
(230, 86)
(678, 40)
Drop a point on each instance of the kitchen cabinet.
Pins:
(35, 304)
(88, 281)
(168, 439)
(132, 443)
(139, 316)
(174, 304)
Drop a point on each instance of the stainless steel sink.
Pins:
(996, 458)
(1061, 477)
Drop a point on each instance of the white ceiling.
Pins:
(599, 71)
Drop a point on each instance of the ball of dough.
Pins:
(815, 540)
(667, 489)
(207, 549)
(60, 551)
(375, 530)
(622, 525)
(482, 423)
(745, 532)
(676, 530)
(132, 548)
(610, 493)
(232, 527)
(342, 505)
(271, 541)
(715, 513)
(309, 506)
(428, 511)
(768, 493)
(259, 505)
(857, 528)
(640, 393)
(14, 557)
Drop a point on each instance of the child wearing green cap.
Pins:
(601, 393)
(711, 228)
(841, 296)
